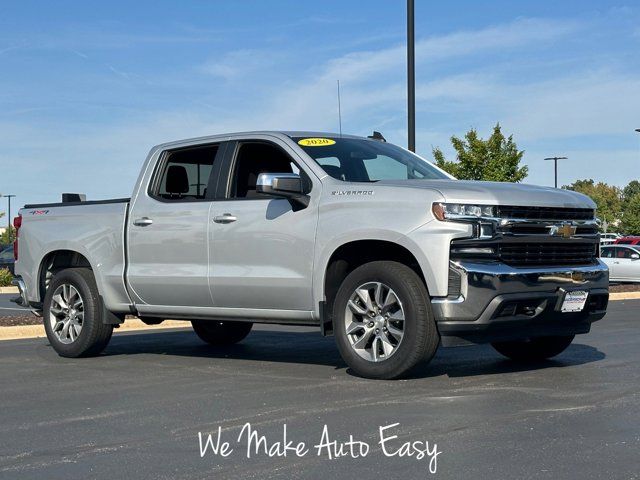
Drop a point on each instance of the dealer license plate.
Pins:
(574, 301)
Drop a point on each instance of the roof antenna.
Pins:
(339, 110)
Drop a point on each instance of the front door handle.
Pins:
(225, 218)
(142, 222)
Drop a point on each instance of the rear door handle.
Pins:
(142, 222)
(225, 218)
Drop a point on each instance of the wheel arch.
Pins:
(56, 260)
(349, 255)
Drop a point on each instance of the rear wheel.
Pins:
(382, 320)
(73, 316)
(221, 333)
(535, 349)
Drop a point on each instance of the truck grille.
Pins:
(547, 254)
(545, 213)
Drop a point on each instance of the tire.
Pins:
(86, 334)
(535, 349)
(380, 346)
(221, 333)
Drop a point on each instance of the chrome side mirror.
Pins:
(635, 256)
(284, 185)
(279, 184)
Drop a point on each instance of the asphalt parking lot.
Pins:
(136, 411)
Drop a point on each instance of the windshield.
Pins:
(361, 160)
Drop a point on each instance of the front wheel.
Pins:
(535, 349)
(383, 322)
(73, 316)
(215, 332)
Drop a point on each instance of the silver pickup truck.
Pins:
(356, 236)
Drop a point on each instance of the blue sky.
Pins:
(86, 88)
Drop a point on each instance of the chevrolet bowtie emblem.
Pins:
(565, 230)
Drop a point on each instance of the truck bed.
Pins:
(95, 229)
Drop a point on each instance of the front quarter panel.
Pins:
(351, 212)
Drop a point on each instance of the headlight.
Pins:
(462, 211)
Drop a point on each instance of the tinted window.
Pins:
(607, 252)
(185, 173)
(254, 158)
(360, 160)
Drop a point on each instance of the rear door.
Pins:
(169, 228)
(261, 249)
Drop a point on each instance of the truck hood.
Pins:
(498, 193)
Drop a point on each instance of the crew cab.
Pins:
(361, 238)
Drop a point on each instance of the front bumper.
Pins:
(498, 302)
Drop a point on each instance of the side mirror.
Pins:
(285, 185)
(635, 256)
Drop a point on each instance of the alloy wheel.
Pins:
(374, 321)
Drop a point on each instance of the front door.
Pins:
(627, 267)
(261, 248)
(169, 229)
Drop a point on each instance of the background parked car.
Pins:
(623, 262)
(607, 238)
(631, 240)
(6, 259)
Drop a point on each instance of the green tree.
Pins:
(608, 198)
(631, 190)
(495, 159)
(8, 236)
(630, 223)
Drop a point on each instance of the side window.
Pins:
(627, 252)
(254, 158)
(382, 168)
(332, 166)
(607, 253)
(184, 174)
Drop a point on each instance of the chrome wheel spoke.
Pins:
(356, 309)
(375, 349)
(354, 327)
(60, 301)
(387, 346)
(363, 293)
(361, 342)
(395, 332)
(378, 295)
(390, 300)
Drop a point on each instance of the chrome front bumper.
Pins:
(499, 302)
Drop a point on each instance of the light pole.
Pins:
(555, 167)
(9, 197)
(411, 78)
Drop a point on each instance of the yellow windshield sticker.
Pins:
(316, 142)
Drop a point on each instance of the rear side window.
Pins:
(185, 174)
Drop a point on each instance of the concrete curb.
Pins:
(37, 331)
(8, 289)
(624, 296)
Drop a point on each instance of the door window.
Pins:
(254, 158)
(626, 253)
(607, 252)
(185, 174)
